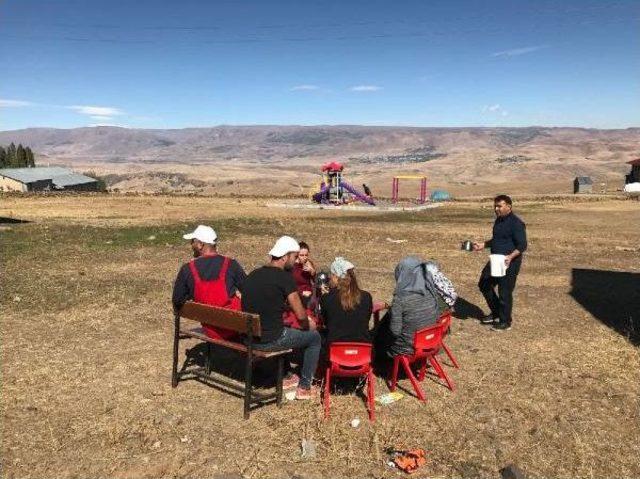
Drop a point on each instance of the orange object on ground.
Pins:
(410, 460)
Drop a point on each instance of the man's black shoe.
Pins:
(501, 327)
(488, 319)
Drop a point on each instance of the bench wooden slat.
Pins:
(198, 333)
(221, 317)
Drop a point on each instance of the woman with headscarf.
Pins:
(346, 309)
(420, 286)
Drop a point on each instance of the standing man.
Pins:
(510, 239)
(209, 278)
(266, 292)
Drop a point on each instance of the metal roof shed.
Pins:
(582, 184)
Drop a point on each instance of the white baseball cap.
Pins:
(284, 245)
(203, 233)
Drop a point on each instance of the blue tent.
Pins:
(440, 195)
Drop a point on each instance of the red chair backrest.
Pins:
(427, 340)
(350, 355)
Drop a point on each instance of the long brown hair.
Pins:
(349, 291)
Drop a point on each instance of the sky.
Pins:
(169, 64)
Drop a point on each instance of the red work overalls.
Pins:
(214, 292)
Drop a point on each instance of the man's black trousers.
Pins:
(501, 304)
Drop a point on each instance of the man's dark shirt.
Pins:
(509, 233)
(209, 269)
(265, 292)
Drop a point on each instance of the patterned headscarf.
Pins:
(340, 266)
(413, 275)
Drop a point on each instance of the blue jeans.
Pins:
(308, 341)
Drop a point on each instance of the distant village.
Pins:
(416, 155)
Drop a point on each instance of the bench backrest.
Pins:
(244, 323)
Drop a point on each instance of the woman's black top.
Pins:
(346, 326)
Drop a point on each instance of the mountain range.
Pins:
(454, 157)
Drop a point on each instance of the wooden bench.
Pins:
(243, 323)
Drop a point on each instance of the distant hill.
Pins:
(467, 156)
(262, 143)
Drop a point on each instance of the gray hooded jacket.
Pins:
(415, 301)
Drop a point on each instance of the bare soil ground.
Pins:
(86, 335)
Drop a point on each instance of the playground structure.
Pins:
(395, 187)
(335, 190)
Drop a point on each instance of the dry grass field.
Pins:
(86, 335)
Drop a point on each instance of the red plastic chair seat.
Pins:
(350, 360)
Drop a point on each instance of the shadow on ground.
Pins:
(231, 364)
(465, 310)
(612, 297)
(4, 220)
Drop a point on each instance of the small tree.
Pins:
(11, 155)
(3, 157)
(30, 159)
(21, 156)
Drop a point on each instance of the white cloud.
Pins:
(92, 111)
(365, 88)
(101, 115)
(305, 88)
(5, 103)
(518, 51)
(100, 118)
(495, 108)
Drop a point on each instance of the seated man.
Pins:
(266, 291)
(209, 278)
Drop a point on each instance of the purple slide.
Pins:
(319, 196)
(356, 193)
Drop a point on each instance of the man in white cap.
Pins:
(266, 291)
(209, 278)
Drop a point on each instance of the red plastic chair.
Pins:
(445, 321)
(427, 344)
(350, 360)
